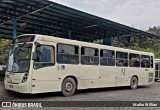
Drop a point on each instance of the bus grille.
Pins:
(150, 74)
(150, 80)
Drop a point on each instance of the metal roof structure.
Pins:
(49, 18)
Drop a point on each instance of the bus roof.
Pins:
(81, 43)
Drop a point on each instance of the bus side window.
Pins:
(89, 56)
(156, 67)
(67, 54)
(45, 56)
(121, 59)
(134, 60)
(145, 61)
(107, 57)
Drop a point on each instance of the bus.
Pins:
(40, 63)
(157, 69)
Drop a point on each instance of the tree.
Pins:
(4, 49)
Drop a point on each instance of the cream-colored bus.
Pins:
(40, 63)
(157, 69)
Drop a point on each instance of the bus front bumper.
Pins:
(21, 87)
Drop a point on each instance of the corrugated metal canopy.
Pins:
(46, 17)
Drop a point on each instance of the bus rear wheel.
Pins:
(68, 87)
(134, 83)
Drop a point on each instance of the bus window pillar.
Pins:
(14, 28)
(108, 41)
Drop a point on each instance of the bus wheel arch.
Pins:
(69, 86)
(134, 82)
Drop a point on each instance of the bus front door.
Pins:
(45, 77)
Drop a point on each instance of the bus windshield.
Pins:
(19, 58)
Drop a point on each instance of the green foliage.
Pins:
(155, 47)
(4, 49)
(147, 44)
(155, 30)
(148, 50)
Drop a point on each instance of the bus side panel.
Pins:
(44, 86)
(46, 79)
(140, 73)
(88, 76)
(122, 76)
(107, 75)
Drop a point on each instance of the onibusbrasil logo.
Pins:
(21, 104)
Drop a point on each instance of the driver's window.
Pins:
(45, 56)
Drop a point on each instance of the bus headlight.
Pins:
(25, 77)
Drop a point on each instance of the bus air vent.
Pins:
(150, 74)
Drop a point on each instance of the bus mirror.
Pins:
(34, 56)
(38, 50)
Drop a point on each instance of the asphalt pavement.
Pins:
(143, 93)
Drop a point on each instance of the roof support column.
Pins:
(14, 28)
(129, 41)
(108, 41)
(69, 34)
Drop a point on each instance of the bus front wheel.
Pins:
(134, 83)
(68, 87)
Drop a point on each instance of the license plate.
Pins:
(11, 86)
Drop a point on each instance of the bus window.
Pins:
(134, 60)
(156, 66)
(107, 57)
(89, 56)
(121, 59)
(151, 61)
(145, 61)
(45, 56)
(67, 54)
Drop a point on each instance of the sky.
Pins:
(140, 14)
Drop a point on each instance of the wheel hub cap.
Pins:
(68, 86)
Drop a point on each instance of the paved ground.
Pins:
(143, 93)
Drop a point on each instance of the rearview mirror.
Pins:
(34, 56)
(38, 50)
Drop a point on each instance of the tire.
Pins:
(134, 83)
(68, 87)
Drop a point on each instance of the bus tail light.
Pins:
(25, 77)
